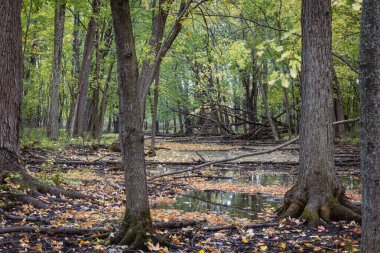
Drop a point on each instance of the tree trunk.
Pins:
(103, 105)
(370, 122)
(264, 93)
(154, 114)
(137, 223)
(94, 116)
(75, 73)
(317, 193)
(287, 110)
(59, 25)
(181, 130)
(10, 101)
(10, 84)
(80, 112)
(338, 105)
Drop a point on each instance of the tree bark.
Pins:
(287, 111)
(137, 220)
(59, 26)
(10, 101)
(80, 110)
(154, 115)
(338, 105)
(136, 228)
(370, 122)
(264, 93)
(75, 73)
(10, 83)
(103, 104)
(317, 193)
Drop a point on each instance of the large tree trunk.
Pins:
(370, 122)
(10, 84)
(136, 228)
(10, 101)
(80, 107)
(59, 25)
(137, 224)
(317, 193)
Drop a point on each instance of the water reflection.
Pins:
(235, 204)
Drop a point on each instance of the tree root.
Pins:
(32, 183)
(35, 188)
(318, 210)
(27, 199)
(20, 218)
(136, 231)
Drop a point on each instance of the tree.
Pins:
(317, 193)
(59, 25)
(370, 122)
(10, 101)
(10, 84)
(78, 122)
(136, 228)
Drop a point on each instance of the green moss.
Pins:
(311, 217)
(137, 230)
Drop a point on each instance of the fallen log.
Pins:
(234, 227)
(52, 230)
(176, 224)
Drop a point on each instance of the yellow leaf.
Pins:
(201, 251)
(244, 239)
(263, 248)
(38, 248)
(283, 245)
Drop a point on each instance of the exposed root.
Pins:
(136, 231)
(31, 183)
(27, 199)
(318, 208)
(17, 182)
(21, 218)
(340, 212)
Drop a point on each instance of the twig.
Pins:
(202, 158)
(346, 121)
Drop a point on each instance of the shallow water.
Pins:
(232, 203)
(244, 205)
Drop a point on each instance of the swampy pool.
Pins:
(243, 205)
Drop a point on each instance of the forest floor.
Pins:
(242, 195)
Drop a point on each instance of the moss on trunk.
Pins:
(135, 231)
